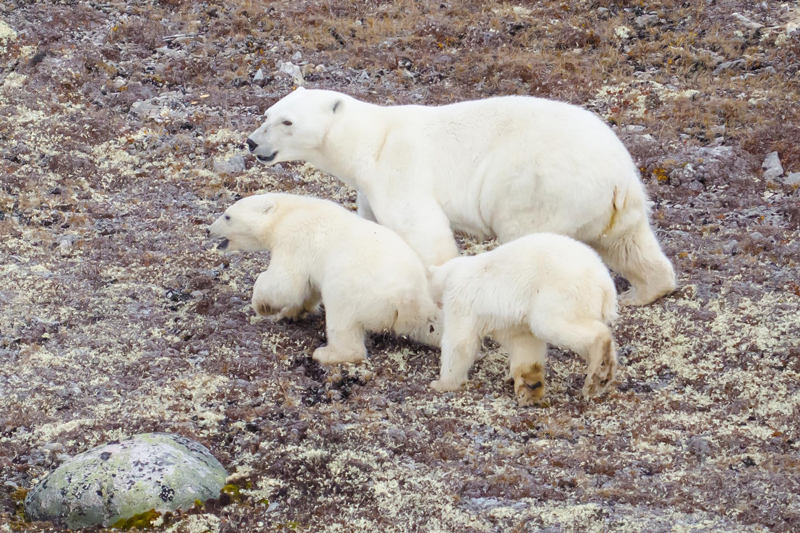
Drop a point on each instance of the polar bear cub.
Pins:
(500, 167)
(539, 289)
(368, 278)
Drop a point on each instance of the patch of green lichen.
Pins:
(140, 521)
(18, 497)
(233, 491)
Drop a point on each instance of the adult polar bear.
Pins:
(503, 167)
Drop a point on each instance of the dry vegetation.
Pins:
(118, 317)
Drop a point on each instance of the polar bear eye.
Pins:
(227, 217)
(287, 122)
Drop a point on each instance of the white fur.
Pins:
(539, 289)
(367, 277)
(503, 167)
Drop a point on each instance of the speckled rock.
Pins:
(120, 479)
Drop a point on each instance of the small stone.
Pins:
(793, 179)
(65, 248)
(118, 480)
(292, 70)
(717, 131)
(756, 236)
(320, 68)
(144, 109)
(396, 436)
(729, 65)
(197, 294)
(645, 21)
(259, 75)
(746, 22)
(699, 447)
(307, 69)
(772, 166)
(232, 166)
(730, 247)
(53, 447)
(297, 56)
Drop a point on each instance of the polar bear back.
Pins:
(336, 245)
(504, 166)
(539, 271)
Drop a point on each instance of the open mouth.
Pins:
(267, 159)
(223, 244)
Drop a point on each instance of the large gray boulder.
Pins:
(121, 479)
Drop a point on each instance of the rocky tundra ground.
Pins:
(122, 128)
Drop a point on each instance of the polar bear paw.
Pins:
(264, 309)
(600, 380)
(529, 386)
(329, 356)
(632, 298)
(446, 385)
(291, 313)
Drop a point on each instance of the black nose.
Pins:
(208, 232)
(252, 144)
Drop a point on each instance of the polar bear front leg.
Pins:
(280, 291)
(310, 306)
(422, 223)
(460, 345)
(345, 338)
(364, 209)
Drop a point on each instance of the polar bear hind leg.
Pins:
(527, 361)
(591, 339)
(637, 256)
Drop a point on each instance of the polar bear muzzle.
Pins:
(223, 244)
(267, 159)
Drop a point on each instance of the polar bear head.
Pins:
(246, 225)
(296, 126)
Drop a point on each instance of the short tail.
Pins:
(628, 204)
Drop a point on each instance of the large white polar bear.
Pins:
(367, 277)
(503, 167)
(539, 289)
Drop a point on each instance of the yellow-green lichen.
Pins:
(140, 521)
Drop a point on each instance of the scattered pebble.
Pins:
(772, 166)
(729, 65)
(233, 165)
(645, 21)
(293, 70)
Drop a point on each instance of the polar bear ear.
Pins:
(336, 105)
(269, 207)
